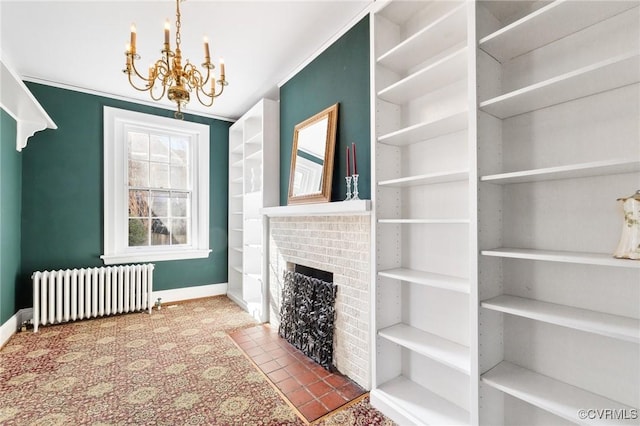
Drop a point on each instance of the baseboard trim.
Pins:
(186, 293)
(8, 329)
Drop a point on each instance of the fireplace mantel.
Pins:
(338, 208)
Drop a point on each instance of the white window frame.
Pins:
(116, 213)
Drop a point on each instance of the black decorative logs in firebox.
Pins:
(307, 315)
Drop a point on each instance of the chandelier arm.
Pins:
(194, 76)
(164, 89)
(222, 86)
(133, 65)
(210, 99)
(144, 89)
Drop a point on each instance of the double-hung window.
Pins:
(156, 188)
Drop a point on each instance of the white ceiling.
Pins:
(81, 43)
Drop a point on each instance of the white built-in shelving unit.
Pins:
(503, 134)
(424, 212)
(253, 184)
(558, 143)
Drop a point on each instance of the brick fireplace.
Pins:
(340, 244)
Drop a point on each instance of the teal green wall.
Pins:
(340, 74)
(62, 218)
(10, 204)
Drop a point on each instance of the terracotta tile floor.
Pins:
(311, 389)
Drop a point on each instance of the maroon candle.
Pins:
(348, 163)
(355, 165)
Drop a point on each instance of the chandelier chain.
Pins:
(178, 25)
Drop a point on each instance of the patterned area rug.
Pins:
(176, 366)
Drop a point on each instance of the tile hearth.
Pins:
(311, 389)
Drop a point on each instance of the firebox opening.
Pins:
(307, 313)
(311, 272)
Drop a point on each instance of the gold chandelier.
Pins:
(177, 81)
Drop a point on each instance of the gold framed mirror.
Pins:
(312, 155)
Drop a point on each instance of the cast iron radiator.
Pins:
(307, 315)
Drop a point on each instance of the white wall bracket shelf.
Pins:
(20, 104)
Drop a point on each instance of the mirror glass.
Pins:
(312, 158)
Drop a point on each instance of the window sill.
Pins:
(114, 259)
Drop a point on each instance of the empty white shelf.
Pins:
(444, 351)
(237, 164)
(546, 25)
(257, 277)
(237, 268)
(609, 74)
(563, 256)
(237, 149)
(427, 179)
(426, 221)
(571, 171)
(430, 279)
(441, 73)
(253, 246)
(238, 249)
(255, 139)
(445, 32)
(427, 130)
(551, 395)
(237, 196)
(614, 326)
(255, 155)
(418, 404)
(237, 180)
(237, 230)
(399, 12)
(237, 213)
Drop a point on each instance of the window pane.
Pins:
(159, 204)
(179, 205)
(138, 173)
(179, 178)
(138, 146)
(138, 203)
(179, 231)
(159, 175)
(160, 232)
(138, 232)
(160, 148)
(180, 151)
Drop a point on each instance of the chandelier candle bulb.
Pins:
(207, 58)
(133, 38)
(167, 29)
(221, 69)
